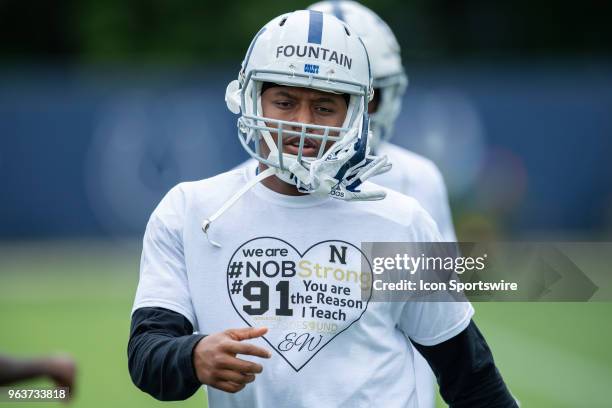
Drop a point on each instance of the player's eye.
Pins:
(324, 109)
(283, 104)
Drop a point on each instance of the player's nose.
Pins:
(304, 114)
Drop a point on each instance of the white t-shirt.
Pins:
(293, 264)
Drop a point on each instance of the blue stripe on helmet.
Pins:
(315, 27)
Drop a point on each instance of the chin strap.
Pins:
(270, 171)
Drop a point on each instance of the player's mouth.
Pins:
(310, 148)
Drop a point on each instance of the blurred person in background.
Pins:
(60, 369)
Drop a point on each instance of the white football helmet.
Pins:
(389, 78)
(307, 49)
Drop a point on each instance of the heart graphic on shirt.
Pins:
(305, 299)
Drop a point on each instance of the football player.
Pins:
(252, 281)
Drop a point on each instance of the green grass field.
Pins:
(77, 299)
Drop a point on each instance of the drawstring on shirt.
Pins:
(270, 171)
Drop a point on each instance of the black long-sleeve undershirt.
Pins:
(162, 341)
(466, 372)
(160, 354)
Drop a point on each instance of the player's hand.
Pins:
(216, 364)
(61, 370)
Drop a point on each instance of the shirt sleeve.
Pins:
(160, 354)
(466, 371)
(163, 274)
(432, 322)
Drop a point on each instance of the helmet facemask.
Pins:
(309, 173)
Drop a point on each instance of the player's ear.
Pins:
(232, 96)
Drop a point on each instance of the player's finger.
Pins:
(234, 376)
(243, 366)
(237, 347)
(247, 333)
(228, 386)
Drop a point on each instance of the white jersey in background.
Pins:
(418, 177)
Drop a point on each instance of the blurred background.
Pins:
(105, 105)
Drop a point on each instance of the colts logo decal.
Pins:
(311, 68)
